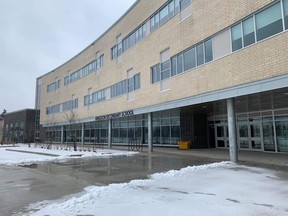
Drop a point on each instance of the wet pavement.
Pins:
(20, 186)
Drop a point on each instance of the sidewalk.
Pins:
(253, 158)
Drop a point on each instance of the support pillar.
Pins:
(150, 140)
(110, 133)
(82, 134)
(232, 130)
(62, 134)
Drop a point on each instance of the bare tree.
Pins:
(71, 118)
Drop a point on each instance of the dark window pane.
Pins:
(208, 51)
(269, 22)
(248, 32)
(173, 66)
(285, 5)
(189, 59)
(236, 37)
(180, 63)
(200, 54)
(156, 73)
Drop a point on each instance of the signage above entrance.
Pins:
(115, 115)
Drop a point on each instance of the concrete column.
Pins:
(82, 134)
(62, 134)
(150, 141)
(110, 133)
(232, 130)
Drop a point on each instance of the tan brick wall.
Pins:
(259, 61)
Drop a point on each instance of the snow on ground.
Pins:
(37, 154)
(213, 189)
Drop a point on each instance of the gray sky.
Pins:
(36, 36)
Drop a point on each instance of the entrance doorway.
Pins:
(250, 134)
(221, 135)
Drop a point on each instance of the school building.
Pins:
(210, 72)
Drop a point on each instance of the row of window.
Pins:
(120, 88)
(186, 60)
(168, 11)
(53, 86)
(91, 67)
(63, 107)
(259, 26)
(128, 41)
(94, 98)
(161, 16)
(266, 23)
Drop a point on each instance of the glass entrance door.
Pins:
(221, 135)
(243, 135)
(255, 135)
(268, 135)
(250, 134)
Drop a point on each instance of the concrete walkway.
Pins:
(254, 158)
(251, 157)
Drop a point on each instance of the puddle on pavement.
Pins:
(20, 186)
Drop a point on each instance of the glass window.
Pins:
(171, 8)
(174, 66)
(144, 30)
(285, 5)
(155, 73)
(180, 63)
(165, 70)
(184, 3)
(152, 24)
(269, 22)
(189, 59)
(200, 54)
(236, 32)
(164, 15)
(130, 84)
(208, 51)
(137, 84)
(177, 6)
(156, 17)
(248, 31)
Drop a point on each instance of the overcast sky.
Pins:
(36, 36)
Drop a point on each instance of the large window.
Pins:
(236, 37)
(200, 54)
(248, 31)
(189, 59)
(166, 127)
(208, 50)
(164, 15)
(155, 73)
(269, 22)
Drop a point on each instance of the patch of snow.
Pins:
(213, 189)
(37, 155)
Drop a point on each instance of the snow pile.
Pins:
(22, 155)
(214, 189)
